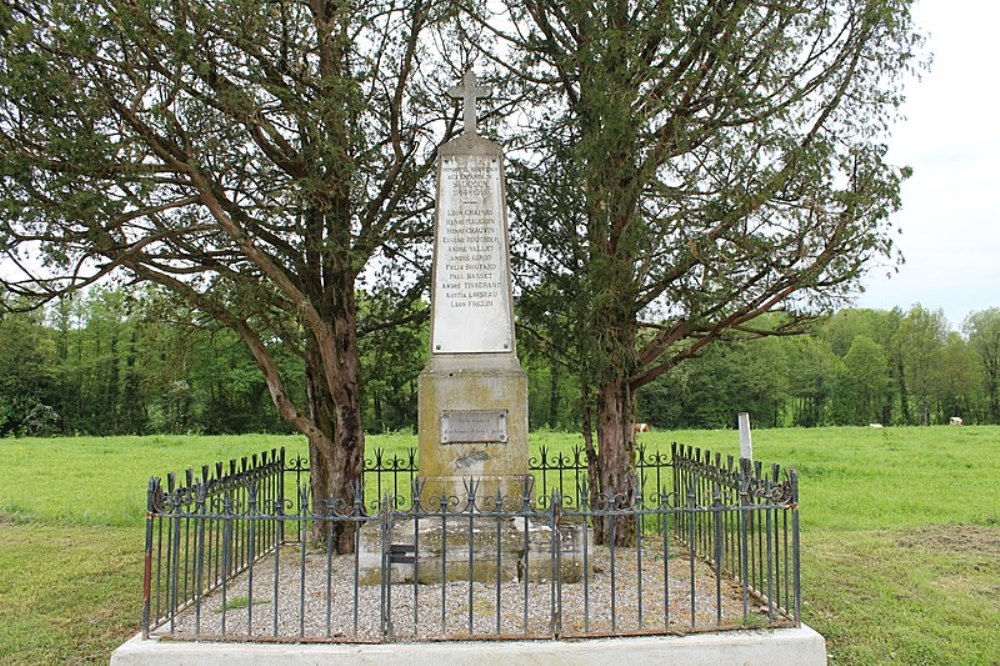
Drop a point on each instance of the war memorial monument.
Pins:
(480, 565)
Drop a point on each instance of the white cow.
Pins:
(874, 425)
(955, 420)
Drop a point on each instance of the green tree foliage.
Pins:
(861, 383)
(252, 157)
(983, 330)
(879, 326)
(178, 371)
(129, 362)
(844, 327)
(959, 381)
(800, 380)
(918, 344)
(391, 362)
(133, 361)
(710, 390)
(811, 377)
(547, 355)
(26, 379)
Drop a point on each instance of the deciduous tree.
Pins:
(983, 330)
(862, 382)
(918, 343)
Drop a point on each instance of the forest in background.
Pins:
(127, 361)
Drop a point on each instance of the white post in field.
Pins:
(746, 444)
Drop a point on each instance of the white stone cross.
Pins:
(468, 92)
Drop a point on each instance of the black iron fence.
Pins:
(231, 554)
(752, 532)
(196, 549)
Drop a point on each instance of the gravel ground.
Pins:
(586, 608)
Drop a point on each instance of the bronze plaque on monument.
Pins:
(473, 426)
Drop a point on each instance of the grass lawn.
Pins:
(901, 535)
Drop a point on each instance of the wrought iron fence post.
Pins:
(525, 515)
(768, 510)
(692, 544)
(585, 517)
(175, 571)
(227, 555)
(555, 600)
(718, 554)
(251, 492)
(675, 466)
(472, 486)
(793, 478)
(281, 492)
(444, 560)
(147, 566)
(499, 508)
(665, 519)
(199, 540)
(356, 520)
(276, 576)
(385, 579)
(641, 464)
(612, 516)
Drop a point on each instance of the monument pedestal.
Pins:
(473, 427)
(473, 393)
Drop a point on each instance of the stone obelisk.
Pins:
(473, 393)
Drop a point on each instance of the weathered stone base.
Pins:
(449, 457)
(444, 551)
(801, 646)
(510, 488)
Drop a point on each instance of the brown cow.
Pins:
(642, 427)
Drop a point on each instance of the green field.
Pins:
(901, 535)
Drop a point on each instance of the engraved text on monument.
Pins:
(471, 292)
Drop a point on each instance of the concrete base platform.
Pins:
(802, 647)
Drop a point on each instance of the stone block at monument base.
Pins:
(801, 646)
(500, 550)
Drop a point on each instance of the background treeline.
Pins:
(137, 361)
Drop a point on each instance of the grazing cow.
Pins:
(874, 425)
(642, 427)
(955, 420)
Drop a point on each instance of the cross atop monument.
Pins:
(468, 92)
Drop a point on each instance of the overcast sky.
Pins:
(951, 137)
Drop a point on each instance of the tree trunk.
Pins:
(616, 459)
(336, 449)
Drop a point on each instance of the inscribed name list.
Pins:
(471, 277)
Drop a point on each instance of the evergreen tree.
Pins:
(692, 166)
(250, 156)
